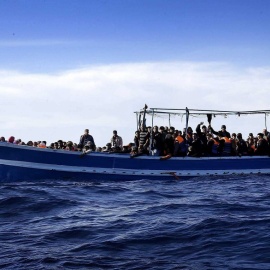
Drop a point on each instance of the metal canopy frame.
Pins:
(194, 112)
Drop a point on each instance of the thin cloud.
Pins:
(45, 43)
(104, 97)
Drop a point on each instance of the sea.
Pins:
(202, 223)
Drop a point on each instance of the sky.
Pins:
(70, 65)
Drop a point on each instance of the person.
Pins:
(262, 146)
(225, 144)
(69, 146)
(180, 147)
(137, 138)
(251, 146)
(11, 139)
(242, 148)
(168, 146)
(266, 135)
(212, 145)
(42, 144)
(223, 132)
(144, 140)
(85, 138)
(116, 141)
(108, 148)
(188, 135)
(234, 141)
(202, 135)
(2, 139)
(195, 146)
(157, 142)
(29, 143)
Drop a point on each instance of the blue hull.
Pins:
(30, 163)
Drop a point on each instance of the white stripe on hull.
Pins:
(94, 170)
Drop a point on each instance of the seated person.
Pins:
(116, 141)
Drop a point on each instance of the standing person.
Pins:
(266, 135)
(223, 132)
(157, 144)
(137, 138)
(202, 136)
(262, 146)
(116, 141)
(144, 140)
(195, 148)
(86, 137)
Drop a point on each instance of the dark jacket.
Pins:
(86, 138)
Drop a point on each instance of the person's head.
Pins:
(86, 131)
(137, 133)
(194, 136)
(239, 136)
(108, 145)
(35, 144)
(260, 136)
(161, 129)
(69, 143)
(149, 129)
(250, 135)
(2, 139)
(11, 139)
(142, 128)
(155, 128)
(166, 128)
(233, 135)
(171, 130)
(204, 129)
(223, 128)
(264, 131)
(115, 133)
(60, 143)
(189, 130)
(30, 143)
(55, 145)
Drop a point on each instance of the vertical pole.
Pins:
(265, 121)
(169, 120)
(151, 137)
(187, 117)
(137, 121)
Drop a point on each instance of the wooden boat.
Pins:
(19, 163)
(30, 163)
